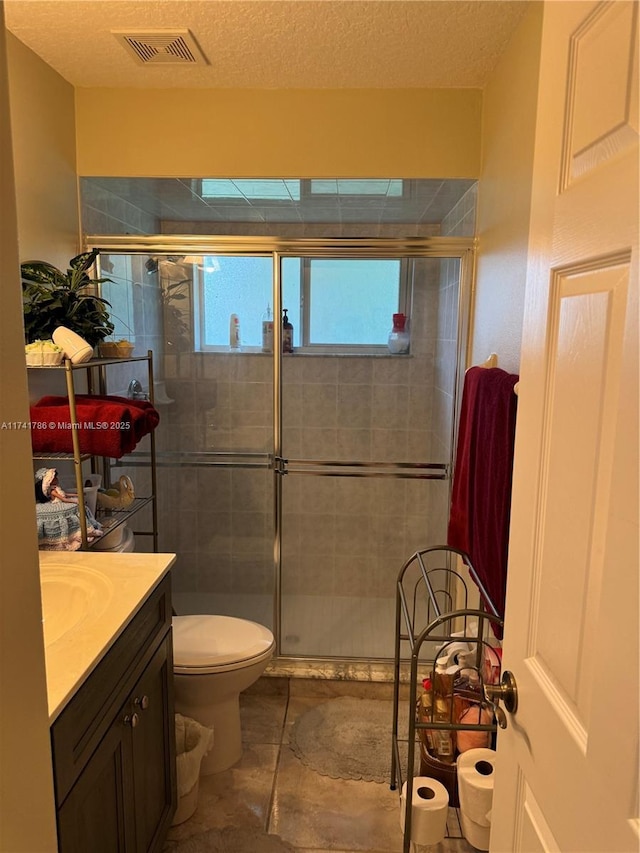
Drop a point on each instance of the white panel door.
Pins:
(568, 760)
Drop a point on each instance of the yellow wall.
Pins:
(27, 819)
(504, 196)
(43, 128)
(279, 133)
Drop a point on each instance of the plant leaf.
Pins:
(40, 272)
(83, 261)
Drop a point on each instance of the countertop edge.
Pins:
(88, 645)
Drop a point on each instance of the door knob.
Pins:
(506, 692)
(131, 720)
(141, 702)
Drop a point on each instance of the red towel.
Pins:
(108, 426)
(145, 418)
(481, 497)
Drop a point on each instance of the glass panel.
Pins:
(348, 302)
(233, 285)
(344, 541)
(291, 283)
(382, 408)
(216, 420)
(277, 207)
(118, 270)
(224, 542)
(352, 301)
(344, 538)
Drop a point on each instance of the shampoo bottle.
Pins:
(234, 332)
(287, 333)
(442, 741)
(267, 331)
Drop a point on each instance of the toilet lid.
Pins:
(212, 641)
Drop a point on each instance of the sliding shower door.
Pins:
(228, 453)
(215, 437)
(366, 444)
(293, 486)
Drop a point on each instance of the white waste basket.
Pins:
(193, 742)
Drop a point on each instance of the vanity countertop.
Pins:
(88, 598)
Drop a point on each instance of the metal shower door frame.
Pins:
(459, 248)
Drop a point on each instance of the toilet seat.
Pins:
(208, 644)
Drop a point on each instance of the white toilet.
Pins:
(215, 658)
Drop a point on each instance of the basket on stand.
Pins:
(441, 763)
(432, 766)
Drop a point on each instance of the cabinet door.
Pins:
(153, 743)
(97, 815)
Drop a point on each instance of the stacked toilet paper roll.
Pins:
(476, 773)
(429, 809)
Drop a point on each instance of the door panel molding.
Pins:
(588, 309)
(601, 107)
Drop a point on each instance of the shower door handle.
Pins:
(280, 465)
(355, 468)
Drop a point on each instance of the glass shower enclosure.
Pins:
(293, 486)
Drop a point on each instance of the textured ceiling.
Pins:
(274, 43)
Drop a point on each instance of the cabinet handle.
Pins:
(132, 720)
(142, 702)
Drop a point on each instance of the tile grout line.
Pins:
(277, 769)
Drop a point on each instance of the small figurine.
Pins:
(49, 489)
(119, 496)
(58, 516)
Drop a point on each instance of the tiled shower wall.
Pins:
(461, 219)
(340, 536)
(349, 536)
(104, 212)
(134, 297)
(460, 222)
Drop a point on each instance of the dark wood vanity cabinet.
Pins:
(114, 743)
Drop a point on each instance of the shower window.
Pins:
(229, 285)
(118, 273)
(385, 188)
(266, 190)
(295, 190)
(339, 305)
(349, 302)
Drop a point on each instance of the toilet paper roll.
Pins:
(429, 809)
(476, 835)
(476, 773)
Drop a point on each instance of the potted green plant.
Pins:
(176, 328)
(53, 298)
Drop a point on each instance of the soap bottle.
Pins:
(234, 332)
(399, 336)
(267, 331)
(287, 333)
(443, 741)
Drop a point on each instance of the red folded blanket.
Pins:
(106, 426)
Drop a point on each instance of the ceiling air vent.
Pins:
(161, 47)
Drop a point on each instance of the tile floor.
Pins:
(270, 788)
